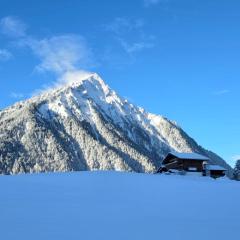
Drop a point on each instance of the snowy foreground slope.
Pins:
(84, 125)
(114, 205)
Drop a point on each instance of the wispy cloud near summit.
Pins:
(60, 54)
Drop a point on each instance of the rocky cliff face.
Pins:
(84, 125)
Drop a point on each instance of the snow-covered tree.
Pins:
(236, 172)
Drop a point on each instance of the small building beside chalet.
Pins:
(190, 162)
(214, 171)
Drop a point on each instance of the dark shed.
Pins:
(214, 171)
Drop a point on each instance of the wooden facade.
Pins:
(183, 162)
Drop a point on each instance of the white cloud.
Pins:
(16, 95)
(66, 78)
(148, 3)
(5, 55)
(129, 34)
(122, 25)
(13, 27)
(236, 157)
(65, 55)
(221, 92)
(131, 48)
(60, 54)
(74, 76)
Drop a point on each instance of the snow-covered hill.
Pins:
(111, 205)
(84, 125)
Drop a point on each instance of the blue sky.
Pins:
(179, 59)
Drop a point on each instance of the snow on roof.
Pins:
(192, 156)
(215, 167)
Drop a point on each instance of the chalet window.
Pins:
(192, 169)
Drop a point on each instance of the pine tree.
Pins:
(236, 173)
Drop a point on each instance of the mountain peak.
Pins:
(75, 78)
(84, 82)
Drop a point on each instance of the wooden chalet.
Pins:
(190, 162)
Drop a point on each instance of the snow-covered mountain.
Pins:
(84, 125)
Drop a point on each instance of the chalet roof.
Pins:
(215, 167)
(192, 156)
